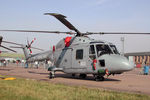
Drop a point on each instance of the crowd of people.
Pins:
(22, 63)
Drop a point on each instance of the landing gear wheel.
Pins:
(73, 75)
(99, 78)
(82, 75)
(96, 78)
(51, 75)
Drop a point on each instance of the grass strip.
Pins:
(28, 89)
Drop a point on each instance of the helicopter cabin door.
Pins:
(66, 58)
(95, 53)
(79, 57)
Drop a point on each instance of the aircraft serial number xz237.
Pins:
(83, 55)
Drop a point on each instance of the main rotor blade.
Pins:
(34, 31)
(8, 48)
(62, 19)
(37, 48)
(15, 47)
(22, 47)
(1, 38)
(12, 43)
(102, 33)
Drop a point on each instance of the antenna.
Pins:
(122, 51)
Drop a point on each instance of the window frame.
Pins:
(79, 54)
(92, 55)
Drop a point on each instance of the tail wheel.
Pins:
(51, 75)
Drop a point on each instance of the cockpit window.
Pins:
(103, 49)
(92, 54)
(91, 49)
(113, 47)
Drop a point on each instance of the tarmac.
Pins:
(133, 81)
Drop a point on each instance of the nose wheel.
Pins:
(99, 78)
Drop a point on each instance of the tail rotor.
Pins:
(29, 45)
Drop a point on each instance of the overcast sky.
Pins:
(85, 15)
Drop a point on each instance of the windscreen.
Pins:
(103, 49)
(113, 47)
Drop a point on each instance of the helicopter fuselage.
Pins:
(84, 55)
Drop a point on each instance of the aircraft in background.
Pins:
(1, 40)
(137, 54)
(139, 58)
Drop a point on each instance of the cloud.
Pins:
(101, 2)
(97, 3)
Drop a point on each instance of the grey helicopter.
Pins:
(81, 55)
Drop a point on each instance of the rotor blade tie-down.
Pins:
(53, 48)
(67, 41)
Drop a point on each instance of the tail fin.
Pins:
(25, 50)
(26, 53)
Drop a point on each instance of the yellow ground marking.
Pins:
(9, 78)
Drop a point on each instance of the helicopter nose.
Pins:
(117, 63)
(124, 64)
(127, 65)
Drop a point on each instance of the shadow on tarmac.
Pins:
(6, 69)
(90, 78)
(38, 73)
(69, 76)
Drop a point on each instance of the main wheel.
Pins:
(73, 75)
(99, 78)
(82, 75)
